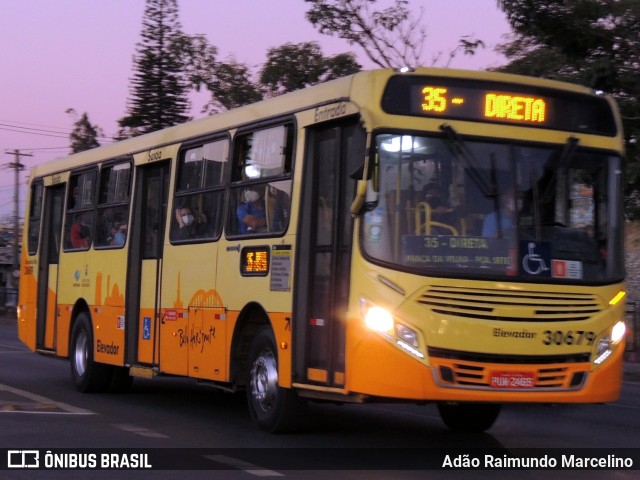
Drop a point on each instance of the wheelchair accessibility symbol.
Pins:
(146, 328)
(537, 259)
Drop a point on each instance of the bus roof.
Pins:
(357, 87)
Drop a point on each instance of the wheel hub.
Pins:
(264, 381)
(80, 353)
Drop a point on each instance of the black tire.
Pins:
(88, 375)
(272, 408)
(469, 417)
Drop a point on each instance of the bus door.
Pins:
(145, 263)
(334, 157)
(48, 267)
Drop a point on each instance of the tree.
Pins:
(295, 66)
(84, 135)
(159, 89)
(391, 37)
(288, 67)
(591, 42)
(230, 86)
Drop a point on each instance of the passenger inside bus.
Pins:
(184, 227)
(498, 223)
(251, 213)
(80, 232)
(119, 235)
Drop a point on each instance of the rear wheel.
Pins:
(468, 417)
(88, 376)
(273, 408)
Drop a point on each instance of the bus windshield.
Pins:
(452, 207)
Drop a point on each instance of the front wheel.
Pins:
(272, 407)
(468, 417)
(88, 376)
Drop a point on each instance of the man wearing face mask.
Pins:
(185, 219)
(251, 213)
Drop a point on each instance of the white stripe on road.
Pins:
(244, 466)
(42, 403)
(144, 432)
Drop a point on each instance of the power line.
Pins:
(34, 126)
(55, 132)
(15, 122)
(34, 133)
(46, 148)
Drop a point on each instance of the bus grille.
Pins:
(473, 370)
(467, 376)
(510, 305)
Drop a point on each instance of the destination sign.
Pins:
(254, 261)
(491, 105)
(497, 102)
(435, 251)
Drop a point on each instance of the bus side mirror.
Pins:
(366, 197)
(359, 200)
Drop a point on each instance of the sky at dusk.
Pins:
(61, 54)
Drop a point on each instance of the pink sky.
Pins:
(77, 54)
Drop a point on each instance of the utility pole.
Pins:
(17, 167)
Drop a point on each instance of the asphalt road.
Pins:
(192, 426)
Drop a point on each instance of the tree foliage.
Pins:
(288, 67)
(159, 89)
(230, 86)
(228, 82)
(295, 66)
(591, 42)
(84, 135)
(390, 37)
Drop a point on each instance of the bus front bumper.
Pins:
(376, 368)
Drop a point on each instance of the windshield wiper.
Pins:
(567, 154)
(460, 149)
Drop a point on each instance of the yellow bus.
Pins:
(422, 235)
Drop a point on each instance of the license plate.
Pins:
(511, 380)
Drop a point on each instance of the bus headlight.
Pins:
(407, 335)
(407, 338)
(381, 320)
(618, 331)
(603, 350)
(378, 319)
(604, 346)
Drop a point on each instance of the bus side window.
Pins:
(35, 213)
(80, 217)
(113, 205)
(261, 194)
(200, 192)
